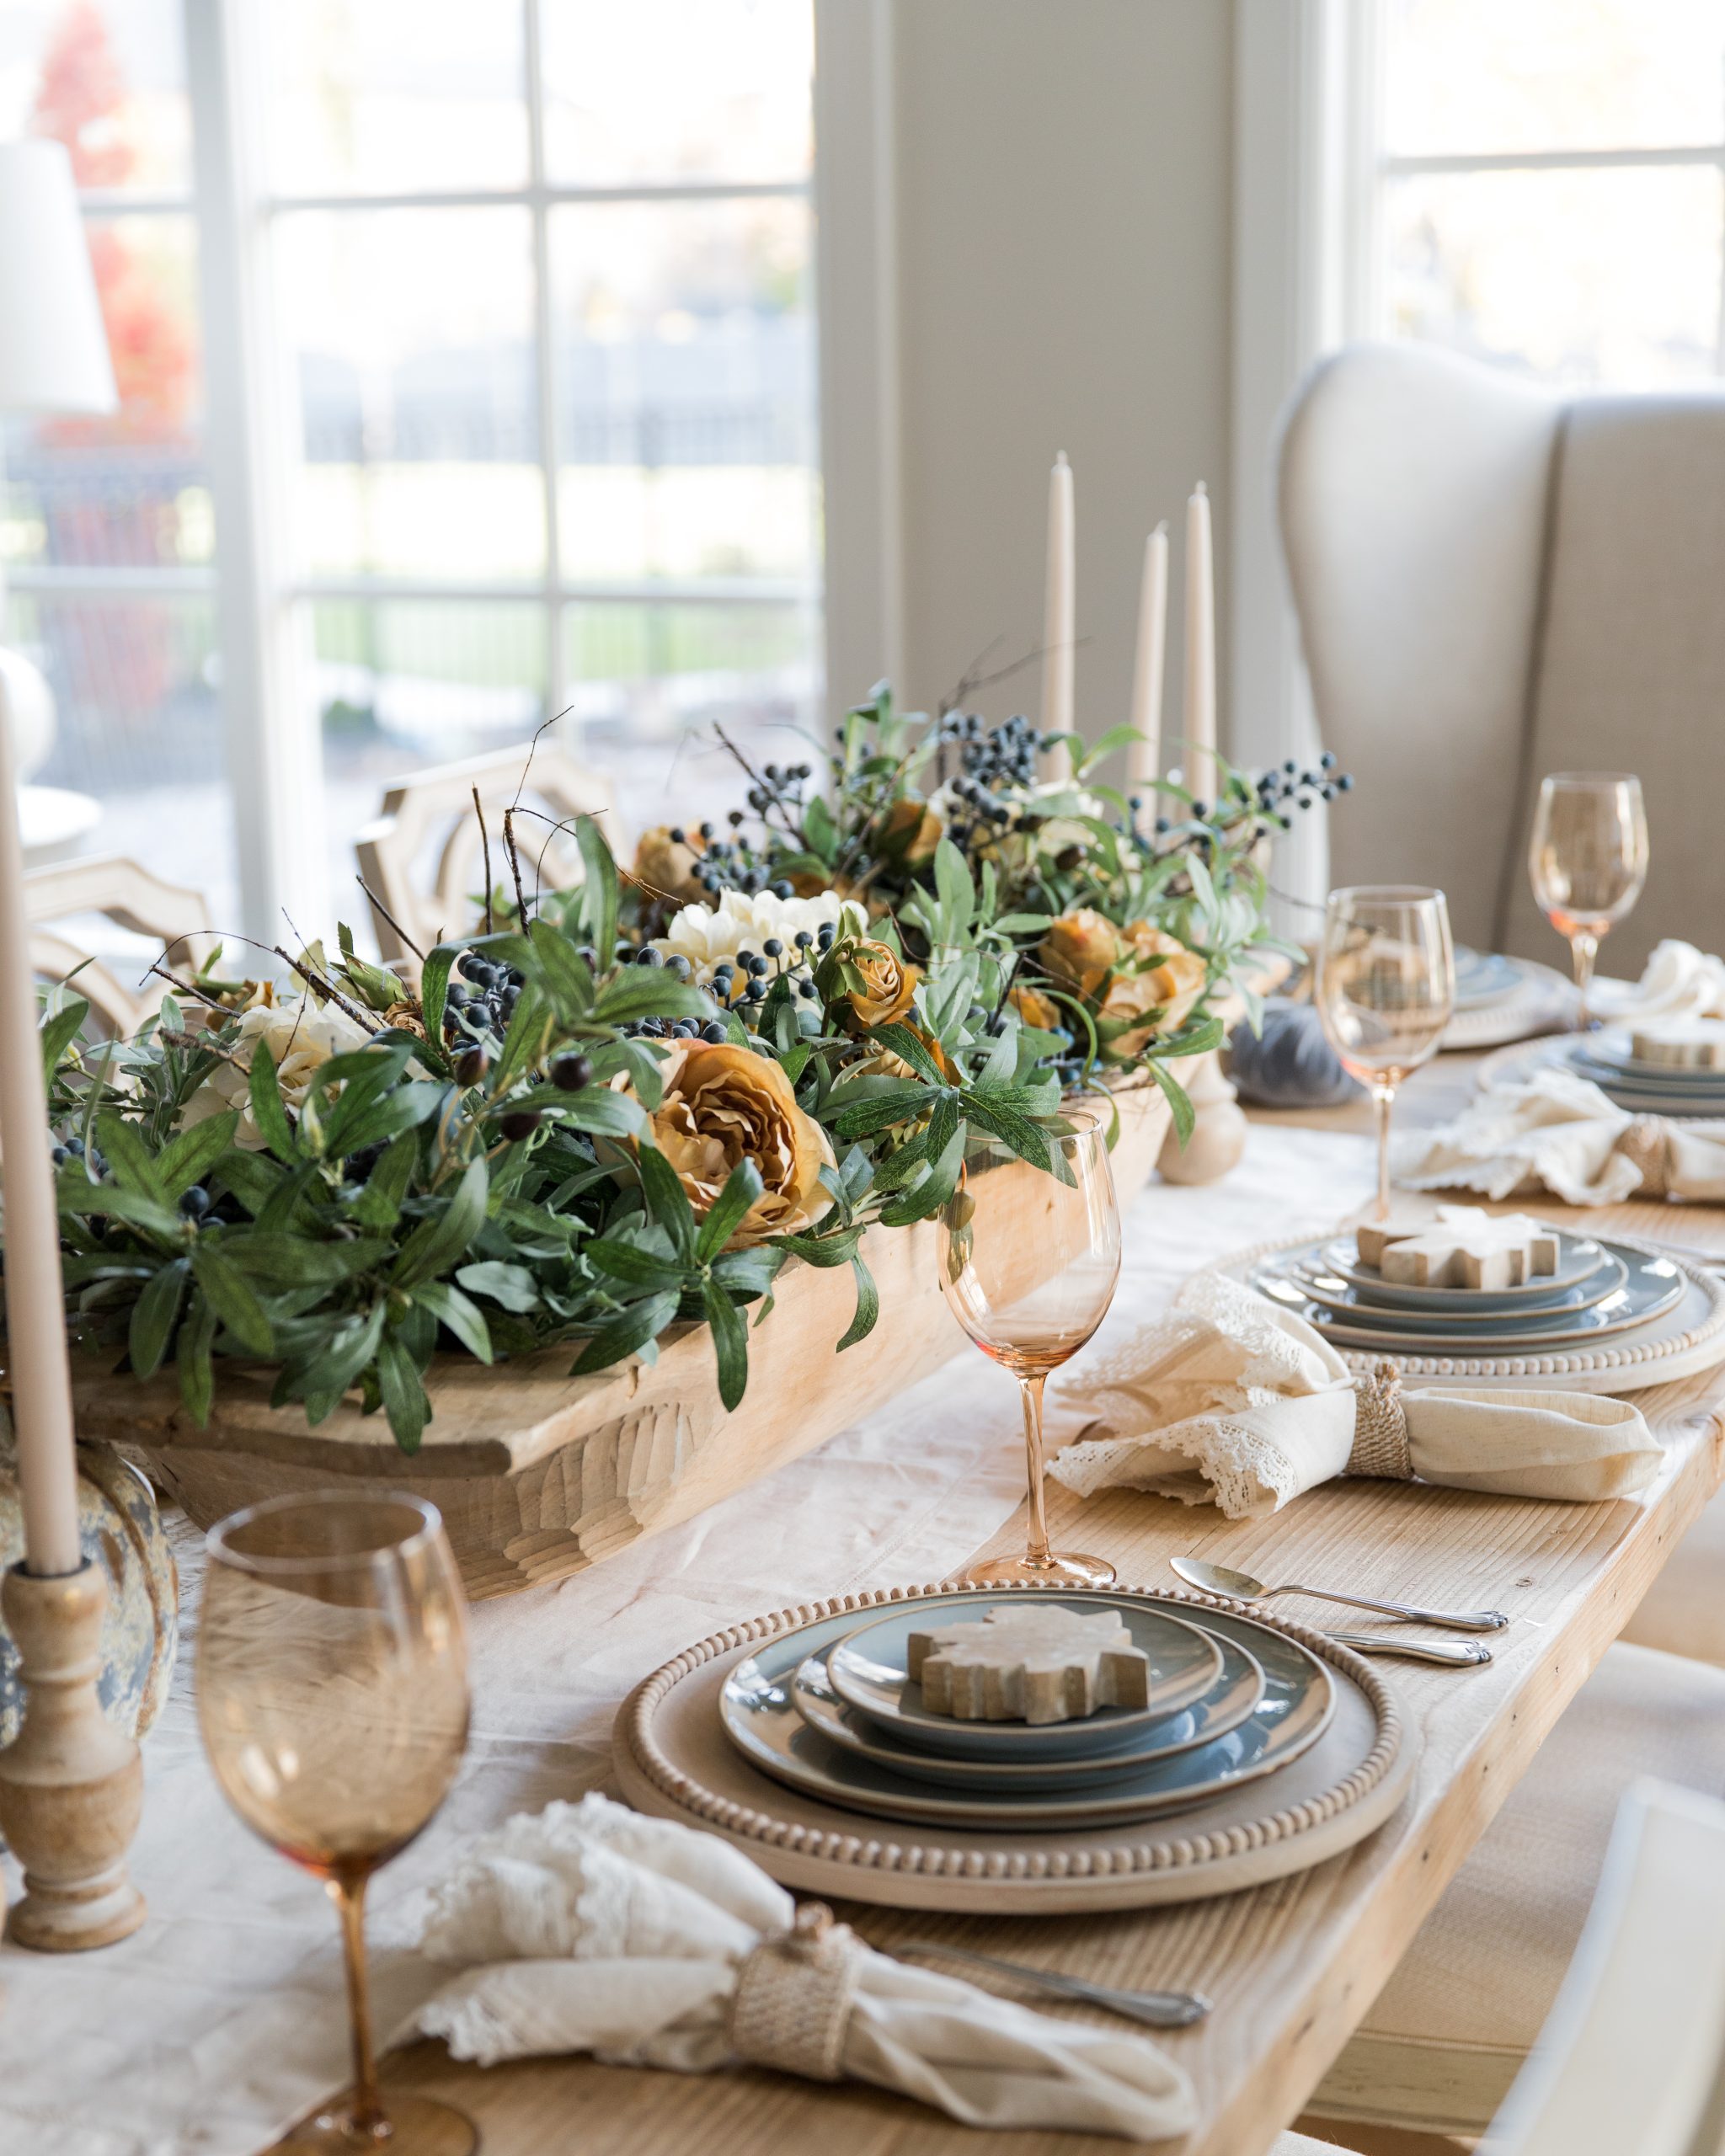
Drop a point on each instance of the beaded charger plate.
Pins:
(673, 1760)
(1539, 1000)
(1683, 1340)
(1509, 1066)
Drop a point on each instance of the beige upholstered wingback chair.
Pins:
(1493, 583)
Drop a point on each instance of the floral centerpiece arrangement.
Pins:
(627, 1105)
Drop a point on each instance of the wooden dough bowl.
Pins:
(538, 1474)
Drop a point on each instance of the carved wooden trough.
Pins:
(538, 1474)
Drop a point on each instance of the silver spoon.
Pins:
(1449, 1654)
(1155, 2009)
(1223, 1579)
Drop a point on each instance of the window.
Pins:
(1549, 191)
(533, 294)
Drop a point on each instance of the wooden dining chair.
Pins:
(131, 897)
(1440, 2045)
(423, 856)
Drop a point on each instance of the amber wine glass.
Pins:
(1029, 1260)
(1385, 991)
(333, 1697)
(1588, 859)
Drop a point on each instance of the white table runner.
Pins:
(223, 2020)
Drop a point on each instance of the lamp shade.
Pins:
(53, 348)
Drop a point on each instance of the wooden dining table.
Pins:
(1292, 1966)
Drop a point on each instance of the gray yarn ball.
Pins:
(1290, 1065)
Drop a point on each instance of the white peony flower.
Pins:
(301, 1038)
(709, 936)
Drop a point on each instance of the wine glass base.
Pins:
(1055, 1570)
(419, 2126)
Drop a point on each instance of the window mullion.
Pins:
(545, 359)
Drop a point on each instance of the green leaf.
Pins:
(563, 972)
(452, 1310)
(1013, 1129)
(958, 894)
(434, 988)
(867, 1307)
(197, 1375)
(667, 1201)
(598, 888)
(153, 1317)
(742, 1186)
(641, 1268)
(511, 1286)
(189, 1157)
(947, 1133)
(627, 1335)
(595, 1109)
(880, 1111)
(322, 1382)
(378, 1205)
(731, 1344)
(649, 992)
(231, 1299)
(133, 1164)
(253, 1178)
(267, 1110)
(440, 1240)
(97, 1200)
(405, 1401)
(293, 1260)
(59, 1032)
(1185, 1115)
(522, 1044)
(909, 1048)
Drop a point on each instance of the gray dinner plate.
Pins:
(1235, 1695)
(1613, 1049)
(1320, 1285)
(760, 1717)
(1484, 977)
(870, 1670)
(1579, 1258)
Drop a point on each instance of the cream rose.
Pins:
(301, 1037)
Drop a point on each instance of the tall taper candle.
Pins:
(1058, 618)
(36, 1314)
(1198, 758)
(1144, 757)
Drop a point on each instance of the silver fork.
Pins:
(1154, 2009)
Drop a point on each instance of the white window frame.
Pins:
(272, 732)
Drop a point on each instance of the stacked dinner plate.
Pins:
(1599, 1290)
(832, 1709)
(1610, 1060)
(1500, 999)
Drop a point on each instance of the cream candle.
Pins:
(1200, 713)
(36, 1314)
(1059, 615)
(1144, 757)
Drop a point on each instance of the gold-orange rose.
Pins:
(668, 868)
(1080, 947)
(887, 984)
(910, 832)
(1167, 981)
(722, 1104)
(1036, 1009)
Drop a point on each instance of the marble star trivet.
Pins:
(1030, 1665)
(1463, 1247)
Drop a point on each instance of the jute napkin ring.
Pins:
(1644, 1144)
(1380, 1427)
(791, 2000)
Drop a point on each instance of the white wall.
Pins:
(1062, 174)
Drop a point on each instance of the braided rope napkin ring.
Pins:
(1643, 1143)
(1380, 1427)
(792, 1997)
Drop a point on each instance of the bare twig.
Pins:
(514, 865)
(543, 726)
(328, 991)
(793, 829)
(378, 905)
(191, 988)
(485, 845)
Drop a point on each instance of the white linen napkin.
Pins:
(1554, 1131)
(590, 1928)
(1232, 1400)
(1678, 981)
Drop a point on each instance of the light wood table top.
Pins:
(1294, 1965)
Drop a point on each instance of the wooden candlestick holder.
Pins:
(72, 1785)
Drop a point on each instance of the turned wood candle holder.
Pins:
(72, 1785)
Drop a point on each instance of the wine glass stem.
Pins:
(348, 1895)
(1583, 949)
(1037, 1533)
(1383, 1100)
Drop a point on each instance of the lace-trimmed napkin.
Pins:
(588, 1928)
(1678, 981)
(1232, 1400)
(1555, 1132)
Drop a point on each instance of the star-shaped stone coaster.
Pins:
(1463, 1247)
(1030, 1665)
